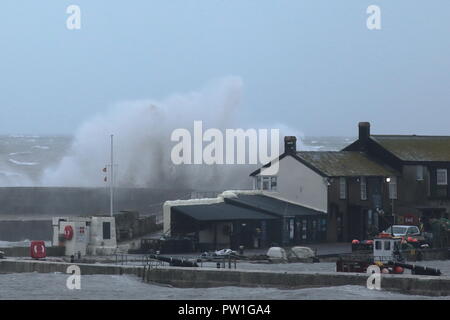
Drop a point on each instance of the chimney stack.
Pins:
(364, 131)
(290, 144)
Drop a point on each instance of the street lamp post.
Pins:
(391, 196)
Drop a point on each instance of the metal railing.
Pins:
(148, 260)
(140, 260)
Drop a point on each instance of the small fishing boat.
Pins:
(386, 255)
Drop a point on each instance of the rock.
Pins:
(277, 254)
(303, 252)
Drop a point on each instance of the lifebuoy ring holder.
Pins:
(68, 232)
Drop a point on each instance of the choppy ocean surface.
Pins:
(26, 286)
(23, 158)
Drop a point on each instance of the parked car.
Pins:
(403, 231)
(411, 234)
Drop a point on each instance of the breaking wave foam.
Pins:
(23, 163)
(142, 131)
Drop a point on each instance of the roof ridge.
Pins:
(287, 201)
(408, 135)
(329, 151)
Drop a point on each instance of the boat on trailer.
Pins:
(386, 255)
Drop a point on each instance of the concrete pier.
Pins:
(26, 266)
(183, 277)
(207, 277)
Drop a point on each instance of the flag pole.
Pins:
(111, 182)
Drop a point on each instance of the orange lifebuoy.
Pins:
(37, 250)
(68, 232)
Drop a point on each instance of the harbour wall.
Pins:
(19, 230)
(26, 212)
(42, 203)
(182, 277)
(206, 277)
(25, 251)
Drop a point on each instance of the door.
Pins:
(340, 226)
(374, 192)
(298, 231)
(355, 223)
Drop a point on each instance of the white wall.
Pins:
(298, 183)
(87, 234)
(96, 232)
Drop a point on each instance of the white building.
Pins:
(85, 235)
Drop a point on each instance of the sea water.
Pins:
(36, 286)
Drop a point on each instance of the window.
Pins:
(291, 229)
(106, 230)
(342, 188)
(266, 183)
(363, 184)
(413, 230)
(273, 183)
(393, 188)
(378, 244)
(419, 173)
(304, 229)
(398, 231)
(441, 177)
(387, 245)
(258, 183)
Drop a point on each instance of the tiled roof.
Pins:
(416, 148)
(345, 163)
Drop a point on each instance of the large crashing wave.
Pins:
(142, 131)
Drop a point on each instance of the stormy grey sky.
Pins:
(312, 65)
